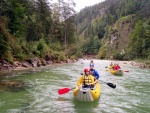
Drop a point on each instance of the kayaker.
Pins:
(117, 67)
(91, 62)
(86, 80)
(94, 72)
(111, 64)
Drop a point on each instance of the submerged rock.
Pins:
(12, 85)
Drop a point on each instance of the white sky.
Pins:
(80, 4)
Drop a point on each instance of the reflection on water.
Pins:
(85, 107)
(62, 99)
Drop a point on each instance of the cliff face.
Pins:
(119, 33)
(122, 27)
(117, 39)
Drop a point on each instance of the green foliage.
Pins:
(73, 57)
(8, 56)
(91, 46)
(29, 32)
(118, 56)
(102, 53)
(56, 46)
(43, 48)
(43, 17)
(9, 46)
(15, 15)
(78, 53)
(59, 56)
(137, 36)
(96, 45)
(98, 22)
(20, 56)
(146, 61)
(38, 33)
(17, 51)
(148, 53)
(3, 46)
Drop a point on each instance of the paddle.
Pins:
(109, 84)
(64, 90)
(126, 71)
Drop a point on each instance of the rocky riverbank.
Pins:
(133, 63)
(6, 67)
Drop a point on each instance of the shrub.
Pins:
(43, 48)
(8, 56)
(3, 46)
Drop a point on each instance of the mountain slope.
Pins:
(113, 22)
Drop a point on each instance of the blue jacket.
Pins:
(94, 73)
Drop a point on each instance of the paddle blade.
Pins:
(111, 85)
(63, 91)
(126, 71)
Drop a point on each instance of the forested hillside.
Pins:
(36, 28)
(116, 29)
(122, 28)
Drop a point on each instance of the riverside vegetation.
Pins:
(39, 33)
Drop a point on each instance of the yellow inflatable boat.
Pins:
(87, 94)
(109, 67)
(116, 72)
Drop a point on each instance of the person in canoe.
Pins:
(110, 66)
(86, 80)
(91, 62)
(94, 72)
(116, 67)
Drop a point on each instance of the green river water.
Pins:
(132, 93)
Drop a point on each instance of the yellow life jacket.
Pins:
(87, 79)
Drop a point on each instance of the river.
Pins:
(132, 93)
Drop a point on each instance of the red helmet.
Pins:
(86, 70)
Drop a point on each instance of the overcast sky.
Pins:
(80, 4)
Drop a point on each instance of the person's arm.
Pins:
(96, 74)
(80, 81)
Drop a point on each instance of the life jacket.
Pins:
(116, 67)
(86, 79)
(113, 66)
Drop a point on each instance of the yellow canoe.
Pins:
(87, 94)
(109, 67)
(116, 72)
